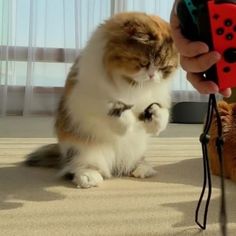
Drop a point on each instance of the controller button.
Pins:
(229, 36)
(216, 16)
(226, 69)
(230, 55)
(220, 31)
(228, 22)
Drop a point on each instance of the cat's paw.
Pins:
(155, 118)
(117, 108)
(123, 116)
(144, 170)
(87, 178)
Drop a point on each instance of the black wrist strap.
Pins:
(204, 139)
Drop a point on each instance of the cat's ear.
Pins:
(137, 32)
(130, 27)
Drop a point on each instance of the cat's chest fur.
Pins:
(103, 91)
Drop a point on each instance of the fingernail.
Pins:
(204, 48)
(226, 92)
(214, 57)
(217, 56)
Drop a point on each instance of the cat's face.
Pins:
(139, 48)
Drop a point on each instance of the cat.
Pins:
(228, 117)
(116, 94)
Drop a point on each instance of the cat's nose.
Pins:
(151, 76)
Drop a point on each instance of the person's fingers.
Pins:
(226, 92)
(186, 47)
(200, 63)
(195, 58)
(201, 85)
(205, 86)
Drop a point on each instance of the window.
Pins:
(31, 29)
(39, 40)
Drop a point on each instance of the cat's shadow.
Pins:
(190, 172)
(19, 183)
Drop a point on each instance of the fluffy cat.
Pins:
(116, 94)
(228, 118)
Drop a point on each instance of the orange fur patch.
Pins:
(134, 39)
(228, 117)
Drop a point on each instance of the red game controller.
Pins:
(214, 22)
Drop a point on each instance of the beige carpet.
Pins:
(34, 202)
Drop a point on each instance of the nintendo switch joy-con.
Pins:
(214, 22)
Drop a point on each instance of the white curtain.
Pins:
(39, 39)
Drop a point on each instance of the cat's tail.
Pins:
(45, 156)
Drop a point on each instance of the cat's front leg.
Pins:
(155, 118)
(120, 116)
(87, 178)
(143, 170)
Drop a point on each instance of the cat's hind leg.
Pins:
(89, 165)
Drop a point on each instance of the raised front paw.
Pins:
(122, 117)
(117, 108)
(155, 118)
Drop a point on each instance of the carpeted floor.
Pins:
(34, 202)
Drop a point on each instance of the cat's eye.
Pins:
(163, 68)
(166, 70)
(144, 63)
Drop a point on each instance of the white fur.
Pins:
(87, 178)
(159, 120)
(117, 144)
(143, 170)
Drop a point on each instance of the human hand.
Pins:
(195, 58)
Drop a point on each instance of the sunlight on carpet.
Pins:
(34, 202)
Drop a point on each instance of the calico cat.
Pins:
(116, 94)
(228, 118)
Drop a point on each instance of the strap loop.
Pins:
(204, 139)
